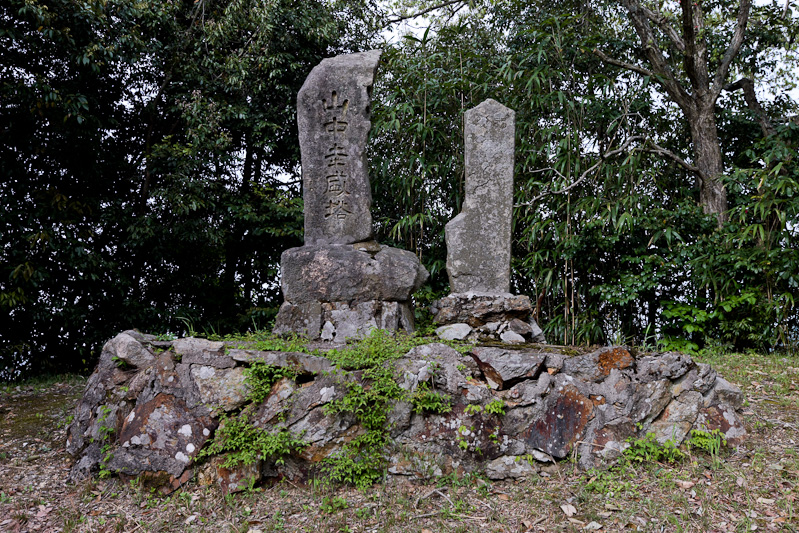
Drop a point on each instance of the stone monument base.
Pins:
(487, 316)
(335, 292)
(338, 321)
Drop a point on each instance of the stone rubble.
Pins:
(151, 406)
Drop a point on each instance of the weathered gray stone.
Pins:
(478, 239)
(344, 274)
(202, 352)
(160, 435)
(504, 368)
(528, 391)
(670, 365)
(333, 115)
(677, 418)
(536, 333)
(303, 319)
(448, 369)
(454, 332)
(302, 363)
(511, 337)
(509, 467)
(220, 388)
(563, 422)
(520, 327)
(724, 392)
(126, 348)
(154, 420)
(597, 365)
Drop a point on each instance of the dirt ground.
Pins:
(751, 488)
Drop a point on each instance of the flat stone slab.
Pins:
(333, 116)
(491, 317)
(483, 307)
(338, 321)
(503, 368)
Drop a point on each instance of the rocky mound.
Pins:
(168, 410)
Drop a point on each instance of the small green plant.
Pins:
(463, 432)
(332, 504)
(245, 444)
(495, 407)
(105, 433)
(360, 462)
(710, 441)
(649, 450)
(425, 400)
(473, 409)
(260, 377)
(120, 363)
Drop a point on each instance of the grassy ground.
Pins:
(753, 488)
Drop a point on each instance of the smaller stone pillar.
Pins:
(479, 239)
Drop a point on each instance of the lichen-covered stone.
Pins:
(345, 274)
(479, 238)
(225, 388)
(333, 117)
(152, 421)
(503, 368)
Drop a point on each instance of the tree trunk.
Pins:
(707, 151)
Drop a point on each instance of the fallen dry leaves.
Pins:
(754, 488)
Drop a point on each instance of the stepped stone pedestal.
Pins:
(342, 284)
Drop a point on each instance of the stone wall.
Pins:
(151, 406)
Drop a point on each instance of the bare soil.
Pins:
(751, 488)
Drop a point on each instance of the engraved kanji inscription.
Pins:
(336, 158)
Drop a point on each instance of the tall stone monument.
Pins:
(479, 238)
(341, 283)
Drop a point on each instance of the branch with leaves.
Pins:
(647, 145)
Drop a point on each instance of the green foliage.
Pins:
(150, 166)
(260, 377)
(710, 441)
(244, 444)
(649, 450)
(473, 409)
(106, 432)
(425, 400)
(332, 504)
(495, 407)
(264, 340)
(361, 462)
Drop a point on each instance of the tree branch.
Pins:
(585, 174)
(623, 64)
(657, 149)
(655, 56)
(748, 87)
(653, 148)
(420, 13)
(664, 25)
(734, 47)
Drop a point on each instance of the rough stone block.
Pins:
(344, 274)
